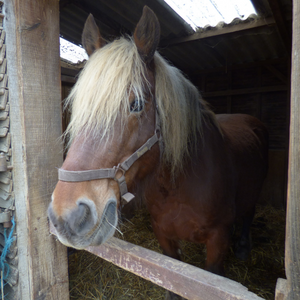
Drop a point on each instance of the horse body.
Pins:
(220, 183)
(203, 173)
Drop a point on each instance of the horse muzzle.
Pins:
(82, 226)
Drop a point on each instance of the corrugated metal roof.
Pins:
(239, 42)
(211, 12)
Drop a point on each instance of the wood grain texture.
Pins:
(181, 278)
(292, 258)
(32, 40)
(280, 289)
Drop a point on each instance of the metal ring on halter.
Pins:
(125, 195)
(118, 168)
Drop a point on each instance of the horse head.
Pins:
(113, 115)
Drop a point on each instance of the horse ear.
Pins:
(91, 37)
(147, 34)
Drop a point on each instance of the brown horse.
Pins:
(140, 127)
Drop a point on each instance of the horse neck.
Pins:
(204, 149)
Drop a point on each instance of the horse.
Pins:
(140, 127)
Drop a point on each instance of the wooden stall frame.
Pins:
(181, 278)
(33, 68)
(292, 244)
(197, 283)
(32, 38)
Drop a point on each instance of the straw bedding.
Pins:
(93, 278)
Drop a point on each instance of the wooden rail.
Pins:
(181, 278)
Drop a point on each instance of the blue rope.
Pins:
(4, 266)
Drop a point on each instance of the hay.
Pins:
(93, 278)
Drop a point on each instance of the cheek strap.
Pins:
(78, 176)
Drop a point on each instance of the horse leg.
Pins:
(243, 246)
(217, 246)
(170, 248)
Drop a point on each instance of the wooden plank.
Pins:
(8, 203)
(237, 67)
(292, 244)
(183, 279)
(255, 90)
(4, 113)
(33, 62)
(179, 277)
(5, 143)
(281, 24)
(277, 73)
(69, 79)
(280, 289)
(3, 98)
(220, 31)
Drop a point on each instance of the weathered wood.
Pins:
(237, 67)
(277, 73)
(32, 43)
(181, 278)
(8, 202)
(292, 256)
(281, 24)
(4, 113)
(5, 143)
(264, 89)
(280, 289)
(69, 79)
(217, 32)
(3, 98)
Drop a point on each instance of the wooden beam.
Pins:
(70, 72)
(277, 73)
(238, 66)
(68, 79)
(114, 28)
(35, 112)
(216, 32)
(281, 24)
(176, 276)
(264, 89)
(181, 278)
(292, 243)
(280, 291)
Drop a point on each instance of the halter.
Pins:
(111, 173)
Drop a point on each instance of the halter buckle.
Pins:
(125, 195)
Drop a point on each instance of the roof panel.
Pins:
(211, 12)
(116, 17)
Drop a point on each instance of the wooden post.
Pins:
(292, 253)
(280, 291)
(34, 83)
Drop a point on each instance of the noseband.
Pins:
(111, 173)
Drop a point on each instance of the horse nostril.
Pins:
(83, 214)
(83, 218)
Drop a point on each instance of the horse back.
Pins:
(246, 142)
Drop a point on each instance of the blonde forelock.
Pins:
(102, 91)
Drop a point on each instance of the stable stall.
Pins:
(243, 66)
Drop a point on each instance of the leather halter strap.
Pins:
(111, 173)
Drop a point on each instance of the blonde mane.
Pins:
(101, 95)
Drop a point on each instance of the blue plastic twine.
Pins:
(4, 266)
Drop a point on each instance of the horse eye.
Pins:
(136, 105)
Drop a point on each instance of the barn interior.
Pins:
(240, 67)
